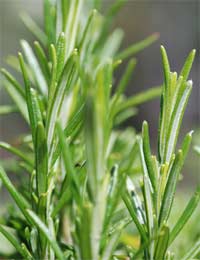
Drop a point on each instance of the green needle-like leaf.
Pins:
(148, 192)
(72, 25)
(90, 142)
(188, 211)
(123, 82)
(17, 152)
(128, 202)
(17, 197)
(116, 183)
(73, 124)
(166, 66)
(86, 30)
(50, 21)
(62, 87)
(41, 159)
(18, 100)
(197, 149)
(192, 253)
(170, 188)
(34, 28)
(147, 155)
(186, 145)
(6, 109)
(53, 82)
(140, 98)
(112, 44)
(136, 201)
(41, 226)
(112, 11)
(111, 244)
(63, 200)
(41, 162)
(188, 64)
(32, 100)
(162, 244)
(70, 170)
(84, 231)
(13, 240)
(14, 82)
(60, 51)
(42, 59)
(70, 175)
(34, 65)
(176, 119)
(137, 47)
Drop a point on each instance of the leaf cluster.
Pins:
(78, 196)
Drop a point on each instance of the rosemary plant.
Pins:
(161, 174)
(77, 166)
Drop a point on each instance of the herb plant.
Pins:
(79, 190)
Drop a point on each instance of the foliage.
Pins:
(80, 170)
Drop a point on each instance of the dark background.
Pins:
(177, 22)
